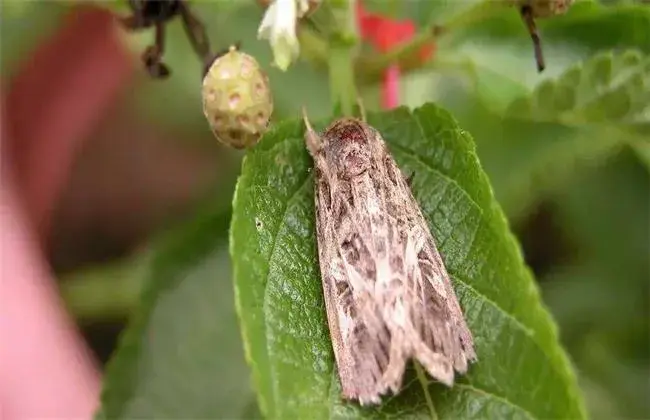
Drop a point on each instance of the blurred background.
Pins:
(150, 177)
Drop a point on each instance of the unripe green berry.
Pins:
(237, 99)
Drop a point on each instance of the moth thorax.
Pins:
(354, 159)
(350, 146)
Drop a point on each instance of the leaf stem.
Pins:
(342, 44)
(422, 378)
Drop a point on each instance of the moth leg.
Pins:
(527, 15)
(195, 31)
(311, 137)
(152, 56)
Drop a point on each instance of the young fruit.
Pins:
(237, 99)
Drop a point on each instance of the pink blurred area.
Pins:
(71, 152)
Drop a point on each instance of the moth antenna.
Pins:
(527, 15)
(362, 109)
(305, 118)
(311, 138)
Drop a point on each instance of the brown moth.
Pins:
(387, 293)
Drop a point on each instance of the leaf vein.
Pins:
(507, 402)
(510, 316)
(289, 204)
(411, 154)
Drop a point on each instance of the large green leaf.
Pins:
(581, 117)
(501, 43)
(609, 88)
(587, 26)
(522, 372)
(181, 356)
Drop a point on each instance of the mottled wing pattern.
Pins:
(438, 336)
(387, 293)
(360, 346)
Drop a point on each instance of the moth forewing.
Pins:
(387, 293)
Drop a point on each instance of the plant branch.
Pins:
(370, 67)
(342, 44)
(313, 47)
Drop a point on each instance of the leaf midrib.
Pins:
(573, 117)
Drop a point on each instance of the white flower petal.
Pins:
(279, 27)
(264, 31)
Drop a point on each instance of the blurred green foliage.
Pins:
(569, 168)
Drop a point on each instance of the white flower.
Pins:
(279, 27)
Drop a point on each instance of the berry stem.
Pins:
(342, 44)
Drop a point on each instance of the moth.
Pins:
(387, 293)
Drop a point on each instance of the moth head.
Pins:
(349, 147)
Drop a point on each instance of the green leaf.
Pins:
(587, 26)
(181, 355)
(576, 120)
(593, 27)
(643, 152)
(583, 116)
(522, 371)
(609, 88)
(502, 44)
